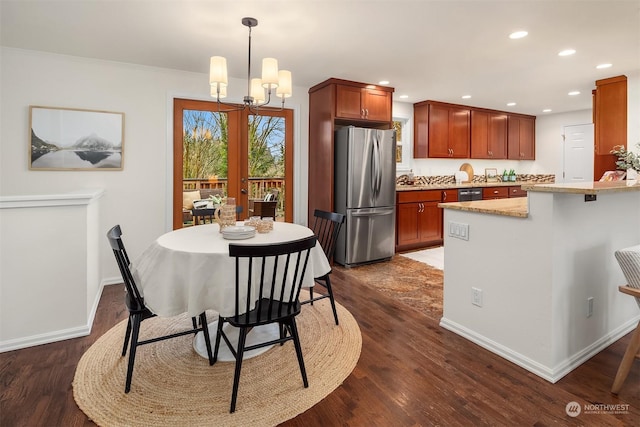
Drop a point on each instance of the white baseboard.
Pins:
(111, 281)
(59, 335)
(551, 374)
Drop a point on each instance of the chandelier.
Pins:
(272, 79)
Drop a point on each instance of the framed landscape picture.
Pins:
(74, 139)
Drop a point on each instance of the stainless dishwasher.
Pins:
(469, 194)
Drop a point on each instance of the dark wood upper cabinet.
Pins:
(360, 102)
(441, 130)
(521, 137)
(610, 122)
(488, 135)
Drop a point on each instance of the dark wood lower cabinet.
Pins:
(517, 191)
(418, 219)
(490, 193)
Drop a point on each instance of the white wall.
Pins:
(549, 144)
(49, 263)
(536, 275)
(139, 197)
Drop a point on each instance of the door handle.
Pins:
(243, 191)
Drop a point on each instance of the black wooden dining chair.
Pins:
(326, 226)
(138, 311)
(271, 297)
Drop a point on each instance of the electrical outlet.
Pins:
(589, 306)
(476, 296)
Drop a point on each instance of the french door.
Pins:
(239, 153)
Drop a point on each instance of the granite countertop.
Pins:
(596, 187)
(447, 186)
(516, 207)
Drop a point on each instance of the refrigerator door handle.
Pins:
(374, 168)
(369, 214)
(379, 163)
(377, 172)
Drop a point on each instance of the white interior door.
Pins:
(578, 153)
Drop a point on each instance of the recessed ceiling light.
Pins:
(574, 93)
(466, 96)
(567, 52)
(511, 104)
(383, 82)
(601, 66)
(518, 34)
(404, 96)
(546, 110)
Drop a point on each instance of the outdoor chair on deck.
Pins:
(189, 197)
(326, 226)
(266, 207)
(271, 297)
(629, 261)
(138, 311)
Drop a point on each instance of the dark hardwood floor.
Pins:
(411, 373)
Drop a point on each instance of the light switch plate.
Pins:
(459, 230)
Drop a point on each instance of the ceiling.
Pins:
(437, 50)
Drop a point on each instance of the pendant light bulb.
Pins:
(285, 89)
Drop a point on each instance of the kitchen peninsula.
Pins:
(535, 280)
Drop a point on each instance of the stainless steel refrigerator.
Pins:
(365, 192)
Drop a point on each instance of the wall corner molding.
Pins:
(74, 198)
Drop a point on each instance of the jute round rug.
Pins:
(173, 386)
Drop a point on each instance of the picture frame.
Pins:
(491, 174)
(70, 139)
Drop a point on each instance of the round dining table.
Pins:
(189, 270)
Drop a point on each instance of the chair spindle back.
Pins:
(282, 269)
(114, 235)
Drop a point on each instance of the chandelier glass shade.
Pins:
(258, 89)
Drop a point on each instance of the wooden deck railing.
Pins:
(257, 189)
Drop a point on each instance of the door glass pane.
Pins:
(266, 162)
(205, 142)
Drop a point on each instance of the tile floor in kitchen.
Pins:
(433, 256)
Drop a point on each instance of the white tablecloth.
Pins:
(190, 270)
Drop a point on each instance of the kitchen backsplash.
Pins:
(449, 179)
